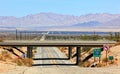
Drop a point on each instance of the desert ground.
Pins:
(8, 66)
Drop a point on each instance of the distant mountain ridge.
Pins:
(88, 24)
(56, 20)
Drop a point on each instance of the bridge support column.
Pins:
(69, 52)
(78, 55)
(29, 51)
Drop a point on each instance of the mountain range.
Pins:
(53, 20)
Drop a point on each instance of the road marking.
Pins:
(50, 55)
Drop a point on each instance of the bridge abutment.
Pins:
(29, 51)
(69, 52)
(78, 55)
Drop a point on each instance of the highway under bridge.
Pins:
(78, 44)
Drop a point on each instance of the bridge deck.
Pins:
(54, 43)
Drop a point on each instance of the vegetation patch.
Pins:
(4, 56)
(1, 40)
(23, 62)
(8, 57)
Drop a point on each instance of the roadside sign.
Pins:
(111, 57)
(106, 47)
(97, 52)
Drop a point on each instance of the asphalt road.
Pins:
(50, 55)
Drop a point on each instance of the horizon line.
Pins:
(59, 14)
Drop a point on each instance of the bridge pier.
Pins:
(29, 51)
(69, 52)
(78, 55)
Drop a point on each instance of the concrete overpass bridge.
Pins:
(78, 44)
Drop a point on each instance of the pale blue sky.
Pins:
(21, 8)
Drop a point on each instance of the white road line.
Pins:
(50, 52)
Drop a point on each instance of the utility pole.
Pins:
(16, 34)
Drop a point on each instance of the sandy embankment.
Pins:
(6, 61)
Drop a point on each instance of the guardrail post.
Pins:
(29, 51)
(78, 55)
(69, 52)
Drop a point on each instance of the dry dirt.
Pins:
(8, 61)
(113, 51)
(6, 67)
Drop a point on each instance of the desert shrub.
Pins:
(19, 62)
(102, 64)
(99, 65)
(28, 62)
(118, 43)
(23, 62)
(5, 55)
(85, 64)
(116, 61)
(81, 64)
(105, 59)
(86, 49)
(35, 51)
(0, 57)
(1, 40)
(62, 49)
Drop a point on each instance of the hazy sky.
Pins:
(21, 8)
